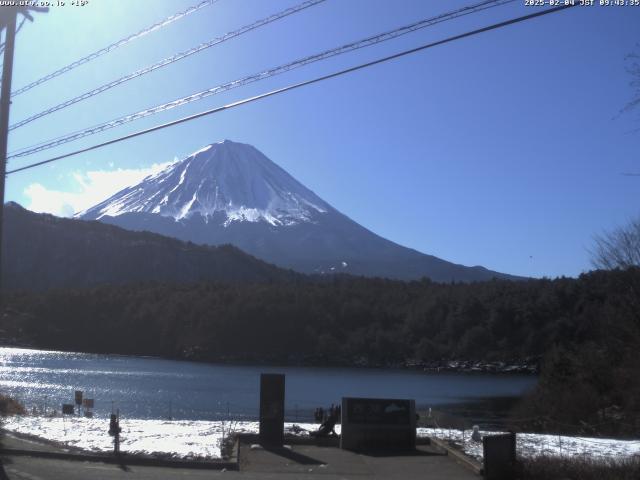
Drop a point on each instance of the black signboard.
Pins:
(67, 409)
(499, 453)
(379, 411)
(272, 409)
(78, 397)
(370, 424)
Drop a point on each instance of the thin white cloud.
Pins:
(88, 189)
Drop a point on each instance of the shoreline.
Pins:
(518, 367)
(529, 445)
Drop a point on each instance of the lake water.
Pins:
(207, 402)
(152, 388)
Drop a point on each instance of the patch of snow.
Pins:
(536, 444)
(200, 438)
(176, 438)
(186, 208)
(226, 177)
(202, 150)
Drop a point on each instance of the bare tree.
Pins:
(633, 69)
(619, 248)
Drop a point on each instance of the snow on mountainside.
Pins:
(230, 193)
(225, 177)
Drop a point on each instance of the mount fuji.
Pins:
(231, 193)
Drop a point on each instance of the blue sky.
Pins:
(504, 150)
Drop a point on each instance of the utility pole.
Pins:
(8, 21)
(5, 103)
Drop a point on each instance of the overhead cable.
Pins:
(109, 48)
(295, 86)
(169, 61)
(366, 42)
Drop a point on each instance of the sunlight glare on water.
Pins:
(147, 388)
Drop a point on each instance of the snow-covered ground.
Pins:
(176, 438)
(202, 439)
(534, 444)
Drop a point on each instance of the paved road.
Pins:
(301, 462)
(312, 462)
(308, 462)
(31, 468)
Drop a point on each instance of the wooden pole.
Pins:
(5, 104)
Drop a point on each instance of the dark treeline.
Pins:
(586, 330)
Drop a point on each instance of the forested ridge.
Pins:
(68, 253)
(586, 331)
(337, 319)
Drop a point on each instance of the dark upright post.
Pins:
(272, 409)
(11, 15)
(8, 20)
(499, 453)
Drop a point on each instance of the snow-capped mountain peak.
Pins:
(230, 193)
(227, 178)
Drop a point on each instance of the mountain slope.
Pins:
(230, 192)
(226, 177)
(42, 251)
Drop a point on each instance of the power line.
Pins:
(24, 19)
(256, 77)
(170, 60)
(297, 85)
(366, 42)
(109, 48)
(26, 15)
